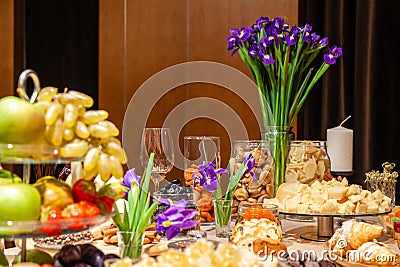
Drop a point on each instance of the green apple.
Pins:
(19, 202)
(20, 121)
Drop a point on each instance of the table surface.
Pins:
(291, 238)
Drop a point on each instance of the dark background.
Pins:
(66, 30)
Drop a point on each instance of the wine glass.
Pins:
(159, 142)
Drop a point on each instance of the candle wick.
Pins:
(345, 120)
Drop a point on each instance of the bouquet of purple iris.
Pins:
(281, 60)
(175, 218)
(139, 209)
(209, 176)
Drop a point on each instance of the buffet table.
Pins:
(291, 238)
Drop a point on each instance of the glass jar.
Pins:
(248, 211)
(308, 161)
(197, 150)
(251, 190)
(258, 227)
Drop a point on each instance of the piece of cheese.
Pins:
(287, 190)
(337, 192)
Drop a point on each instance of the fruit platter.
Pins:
(53, 127)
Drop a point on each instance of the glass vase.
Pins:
(130, 244)
(198, 149)
(249, 190)
(223, 213)
(308, 161)
(278, 136)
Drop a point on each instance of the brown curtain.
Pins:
(365, 84)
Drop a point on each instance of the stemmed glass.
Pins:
(159, 142)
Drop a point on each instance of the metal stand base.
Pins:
(313, 236)
(324, 230)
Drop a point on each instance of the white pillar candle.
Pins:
(340, 148)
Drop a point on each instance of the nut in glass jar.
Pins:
(308, 161)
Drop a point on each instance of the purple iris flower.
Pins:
(260, 23)
(253, 51)
(175, 219)
(324, 42)
(245, 34)
(279, 23)
(314, 40)
(265, 42)
(208, 176)
(291, 38)
(130, 177)
(306, 32)
(233, 39)
(250, 162)
(334, 53)
(266, 58)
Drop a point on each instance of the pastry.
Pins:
(355, 242)
(352, 235)
(377, 253)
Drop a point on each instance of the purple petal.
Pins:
(178, 216)
(212, 186)
(131, 177)
(189, 214)
(170, 211)
(165, 201)
(172, 232)
(188, 224)
(180, 204)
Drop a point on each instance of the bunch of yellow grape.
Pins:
(82, 133)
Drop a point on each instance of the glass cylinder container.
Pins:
(308, 161)
(258, 228)
(197, 150)
(252, 189)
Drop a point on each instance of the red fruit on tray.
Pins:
(105, 204)
(91, 209)
(84, 190)
(51, 215)
(74, 211)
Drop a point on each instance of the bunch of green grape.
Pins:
(82, 133)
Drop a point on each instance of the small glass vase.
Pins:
(278, 136)
(223, 213)
(130, 244)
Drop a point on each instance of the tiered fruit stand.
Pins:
(28, 154)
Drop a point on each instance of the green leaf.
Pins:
(146, 217)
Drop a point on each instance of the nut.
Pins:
(255, 191)
(241, 194)
(262, 192)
